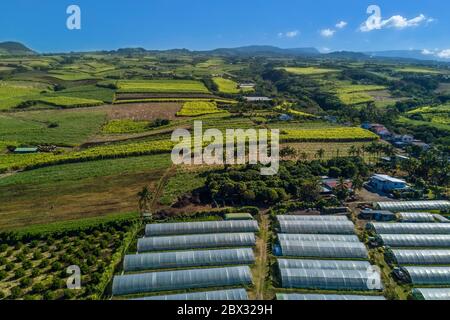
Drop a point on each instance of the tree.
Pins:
(320, 154)
(145, 198)
(341, 191)
(358, 183)
(309, 190)
(303, 156)
(288, 152)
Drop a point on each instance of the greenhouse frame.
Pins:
(415, 217)
(323, 264)
(201, 241)
(326, 297)
(331, 279)
(317, 227)
(223, 295)
(317, 237)
(415, 240)
(311, 218)
(324, 249)
(169, 229)
(181, 280)
(187, 259)
(400, 206)
(419, 257)
(409, 228)
(428, 275)
(431, 294)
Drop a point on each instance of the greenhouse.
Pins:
(181, 280)
(238, 216)
(311, 218)
(202, 241)
(409, 228)
(398, 206)
(330, 279)
(441, 218)
(415, 217)
(326, 297)
(324, 249)
(323, 264)
(167, 229)
(317, 237)
(317, 227)
(186, 259)
(431, 294)
(419, 257)
(415, 240)
(224, 295)
(427, 275)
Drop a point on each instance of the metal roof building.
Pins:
(223, 295)
(167, 229)
(326, 297)
(415, 240)
(415, 217)
(428, 275)
(317, 227)
(311, 218)
(324, 249)
(398, 206)
(419, 257)
(181, 280)
(201, 241)
(409, 228)
(323, 264)
(317, 237)
(431, 294)
(330, 279)
(186, 259)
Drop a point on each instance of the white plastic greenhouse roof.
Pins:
(317, 237)
(397, 206)
(416, 217)
(323, 264)
(409, 228)
(326, 297)
(324, 249)
(166, 229)
(416, 240)
(186, 259)
(432, 294)
(317, 227)
(428, 275)
(421, 257)
(181, 280)
(201, 241)
(311, 218)
(224, 295)
(330, 279)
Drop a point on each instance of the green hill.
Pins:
(14, 48)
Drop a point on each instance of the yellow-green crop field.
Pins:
(11, 96)
(198, 108)
(327, 134)
(70, 102)
(164, 86)
(125, 126)
(229, 86)
(417, 70)
(308, 71)
(355, 98)
(431, 109)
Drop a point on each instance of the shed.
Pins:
(238, 216)
(377, 215)
(25, 150)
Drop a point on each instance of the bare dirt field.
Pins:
(142, 111)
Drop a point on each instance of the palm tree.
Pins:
(320, 154)
(303, 156)
(352, 151)
(145, 197)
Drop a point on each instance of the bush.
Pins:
(38, 288)
(56, 266)
(16, 292)
(3, 247)
(35, 272)
(27, 264)
(69, 294)
(37, 255)
(25, 282)
(2, 295)
(57, 283)
(19, 273)
(49, 295)
(3, 275)
(44, 264)
(9, 266)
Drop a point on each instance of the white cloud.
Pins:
(326, 50)
(341, 24)
(397, 22)
(289, 34)
(444, 54)
(327, 33)
(427, 52)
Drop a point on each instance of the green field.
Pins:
(308, 71)
(125, 126)
(198, 108)
(328, 134)
(70, 102)
(163, 86)
(12, 95)
(417, 70)
(229, 86)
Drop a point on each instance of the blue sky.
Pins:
(206, 24)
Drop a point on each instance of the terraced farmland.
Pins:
(161, 86)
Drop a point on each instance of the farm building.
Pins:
(408, 228)
(201, 241)
(317, 237)
(325, 297)
(325, 249)
(330, 279)
(311, 218)
(323, 264)
(431, 294)
(387, 184)
(330, 184)
(406, 206)
(187, 259)
(25, 150)
(257, 99)
(415, 217)
(167, 229)
(418, 257)
(181, 280)
(423, 275)
(317, 227)
(415, 240)
(377, 215)
(223, 295)
(238, 216)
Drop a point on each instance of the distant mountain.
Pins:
(265, 50)
(404, 54)
(348, 55)
(14, 48)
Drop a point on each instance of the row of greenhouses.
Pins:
(408, 228)
(206, 227)
(327, 297)
(323, 249)
(310, 218)
(405, 206)
(221, 295)
(414, 240)
(317, 227)
(404, 257)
